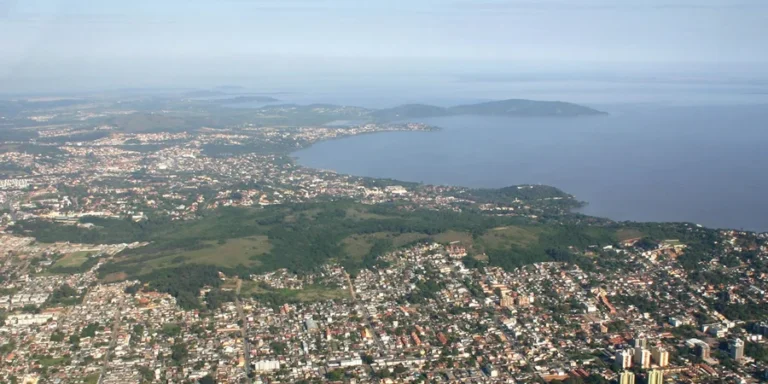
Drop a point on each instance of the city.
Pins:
(417, 283)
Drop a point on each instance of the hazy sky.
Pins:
(76, 38)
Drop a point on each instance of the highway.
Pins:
(244, 333)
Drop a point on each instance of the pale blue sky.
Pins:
(129, 39)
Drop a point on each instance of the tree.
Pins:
(171, 329)
(216, 297)
(367, 359)
(29, 308)
(335, 375)
(89, 330)
(57, 336)
(278, 348)
(207, 379)
(8, 347)
(179, 352)
(756, 351)
(147, 375)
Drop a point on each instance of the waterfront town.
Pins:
(432, 309)
(426, 317)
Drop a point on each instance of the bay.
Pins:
(702, 164)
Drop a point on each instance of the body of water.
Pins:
(703, 164)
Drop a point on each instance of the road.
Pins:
(366, 314)
(244, 332)
(112, 342)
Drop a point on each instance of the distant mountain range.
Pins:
(511, 107)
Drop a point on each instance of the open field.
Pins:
(628, 233)
(74, 259)
(358, 213)
(232, 253)
(505, 237)
(357, 246)
(464, 238)
(308, 294)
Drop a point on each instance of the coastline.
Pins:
(575, 211)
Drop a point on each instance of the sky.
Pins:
(48, 42)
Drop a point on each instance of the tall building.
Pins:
(627, 377)
(660, 356)
(699, 347)
(736, 349)
(623, 360)
(656, 377)
(642, 357)
(640, 342)
(507, 301)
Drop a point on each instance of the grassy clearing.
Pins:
(357, 246)
(505, 237)
(628, 233)
(114, 277)
(317, 293)
(51, 361)
(450, 236)
(232, 253)
(310, 293)
(357, 213)
(74, 259)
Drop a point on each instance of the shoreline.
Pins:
(583, 203)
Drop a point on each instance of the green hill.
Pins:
(511, 108)
(520, 107)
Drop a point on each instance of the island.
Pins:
(508, 108)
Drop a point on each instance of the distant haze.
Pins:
(77, 44)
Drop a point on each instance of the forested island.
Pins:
(507, 108)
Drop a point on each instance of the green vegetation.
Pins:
(643, 304)
(72, 260)
(216, 297)
(508, 195)
(363, 250)
(278, 297)
(64, 295)
(759, 352)
(510, 236)
(89, 330)
(185, 256)
(48, 361)
(152, 122)
(228, 253)
(171, 329)
(179, 352)
(183, 283)
(278, 348)
(512, 107)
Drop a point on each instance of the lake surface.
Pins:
(703, 164)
